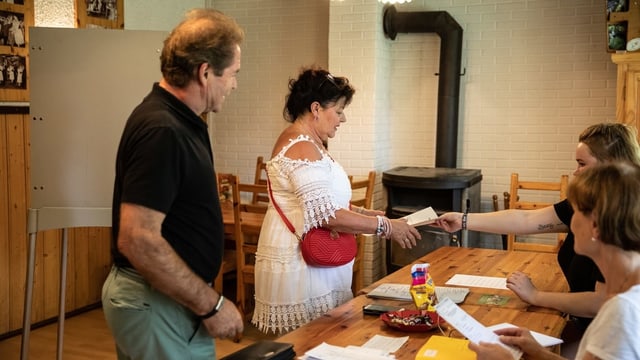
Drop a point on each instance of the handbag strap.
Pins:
(275, 205)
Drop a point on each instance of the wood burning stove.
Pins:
(445, 189)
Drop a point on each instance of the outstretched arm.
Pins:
(514, 221)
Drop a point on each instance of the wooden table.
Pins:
(346, 325)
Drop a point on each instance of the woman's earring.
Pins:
(593, 239)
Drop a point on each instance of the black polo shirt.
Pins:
(165, 163)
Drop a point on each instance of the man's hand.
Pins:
(226, 324)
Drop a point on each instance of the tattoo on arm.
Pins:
(543, 227)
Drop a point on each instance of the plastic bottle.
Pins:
(423, 290)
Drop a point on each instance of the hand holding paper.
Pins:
(470, 327)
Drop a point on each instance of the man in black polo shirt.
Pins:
(167, 222)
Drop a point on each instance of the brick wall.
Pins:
(537, 73)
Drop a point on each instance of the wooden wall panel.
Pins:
(4, 230)
(17, 211)
(89, 259)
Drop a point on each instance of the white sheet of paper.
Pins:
(478, 281)
(468, 326)
(544, 340)
(422, 217)
(391, 291)
(386, 343)
(325, 351)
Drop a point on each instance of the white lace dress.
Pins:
(288, 293)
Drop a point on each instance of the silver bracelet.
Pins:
(215, 309)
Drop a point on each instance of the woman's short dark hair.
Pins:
(611, 192)
(315, 84)
(204, 36)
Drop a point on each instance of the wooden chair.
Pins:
(362, 196)
(260, 179)
(229, 257)
(248, 222)
(516, 202)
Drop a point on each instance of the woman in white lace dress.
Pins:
(312, 190)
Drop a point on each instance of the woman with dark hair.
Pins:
(312, 190)
(606, 224)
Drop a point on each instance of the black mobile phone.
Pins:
(378, 309)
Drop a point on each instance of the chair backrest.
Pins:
(363, 190)
(362, 195)
(247, 224)
(517, 201)
(260, 179)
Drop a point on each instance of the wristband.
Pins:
(464, 216)
(215, 309)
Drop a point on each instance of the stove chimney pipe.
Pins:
(450, 33)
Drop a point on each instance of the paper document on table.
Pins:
(391, 292)
(478, 281)
(325, 351)
(386, 344)
(456, 294)
(422, 217)
(544, 340)
(470, 327)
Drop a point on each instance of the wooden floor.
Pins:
(87, 337)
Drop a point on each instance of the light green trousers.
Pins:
(147, 324)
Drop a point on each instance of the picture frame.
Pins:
(16, 16)
(105, 14)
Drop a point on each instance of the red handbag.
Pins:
(322, 247)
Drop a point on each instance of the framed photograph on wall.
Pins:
(16, 16)
(106, 14)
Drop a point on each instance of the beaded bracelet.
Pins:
(384, 226)
(380, 227)
(388, 227)
(215, 309)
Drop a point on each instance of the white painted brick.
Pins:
(536, 75)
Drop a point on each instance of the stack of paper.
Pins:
(325, 351)
(377, 348)
(391, 292)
